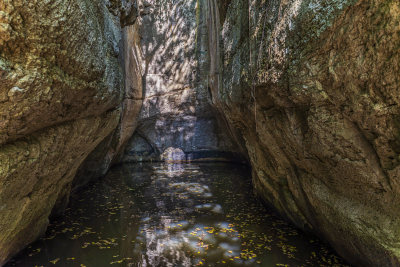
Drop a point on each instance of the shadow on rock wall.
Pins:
(176, 111)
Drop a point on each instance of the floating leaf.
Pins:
(55, 261)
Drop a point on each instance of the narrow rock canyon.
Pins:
(305, 92)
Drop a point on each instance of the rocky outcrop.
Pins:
(313, 89)
(61, 93)
(110, 149)
(177, 113)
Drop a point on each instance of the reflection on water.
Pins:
(173, 215)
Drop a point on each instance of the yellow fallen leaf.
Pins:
(55, 261)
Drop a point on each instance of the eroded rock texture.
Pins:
(176, 112)
(111, 148)
(313, 88)
(62, 92)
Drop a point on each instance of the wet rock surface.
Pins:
(313, 89)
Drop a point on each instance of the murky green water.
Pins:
(173, 215)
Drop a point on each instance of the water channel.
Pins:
(173, 215)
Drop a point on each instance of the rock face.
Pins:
(313, 88)
(308, 90)
(100, 160)
(176, 112)
(62, 92)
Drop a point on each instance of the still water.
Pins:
(173, 215)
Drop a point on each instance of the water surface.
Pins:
(173, 215)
